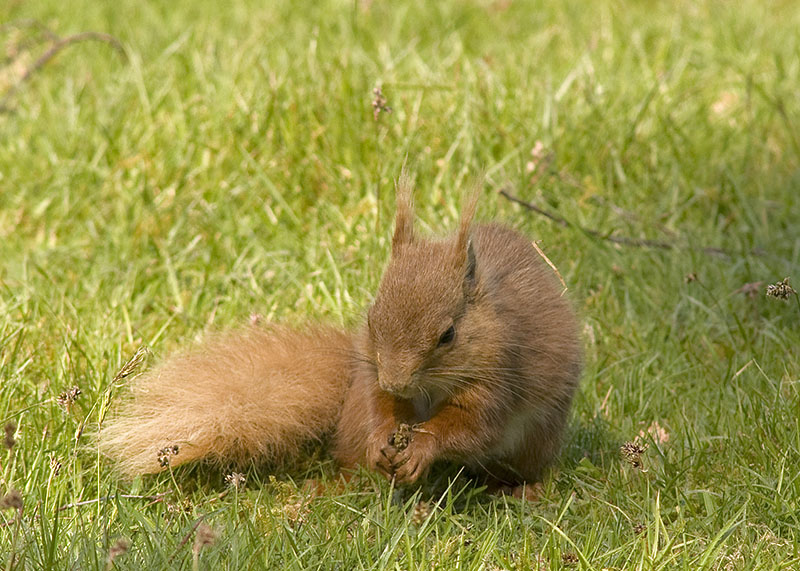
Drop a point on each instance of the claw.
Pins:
(403, 458)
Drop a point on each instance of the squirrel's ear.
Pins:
(471, 263)
(404, 217)
(467, 214)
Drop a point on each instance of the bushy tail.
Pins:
(248, 394)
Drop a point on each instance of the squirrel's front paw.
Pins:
(381, 456)
(413, 462)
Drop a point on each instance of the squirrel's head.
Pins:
(416, 324)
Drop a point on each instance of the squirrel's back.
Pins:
(541, 329)
(541, 348)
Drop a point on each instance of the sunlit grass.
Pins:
(231, 165)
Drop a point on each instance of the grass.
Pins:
(231, 165)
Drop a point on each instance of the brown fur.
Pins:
(497, 396)
(245, 394)
(494, 395)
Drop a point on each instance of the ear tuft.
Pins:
(468, 208)
(465, 251)
(404, 216)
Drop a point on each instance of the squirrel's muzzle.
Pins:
(397, 382)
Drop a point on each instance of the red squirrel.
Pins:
(468, 345)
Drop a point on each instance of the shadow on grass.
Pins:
(594, 440)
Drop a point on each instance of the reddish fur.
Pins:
(499, 391)
(242, 395)
(516, 353)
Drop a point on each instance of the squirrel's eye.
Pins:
(447, 336)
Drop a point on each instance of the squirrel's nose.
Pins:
(398, 384)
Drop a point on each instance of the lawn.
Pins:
(200, 165)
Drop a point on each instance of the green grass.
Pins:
(231, 165)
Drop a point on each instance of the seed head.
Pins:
(781, 290)
(183, 506)
(133, 363)
(632, 453)
(55, 465)
(12, 499)
(165, 454)
(204, 537)
(379, 103)
(569, 559)
(401, 437)
(9, 441)
(68, 397)
(236, 480)
(120, 547)
(421, 512)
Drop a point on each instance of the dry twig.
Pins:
(621, 240)
(57, 45)
(153, 500)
